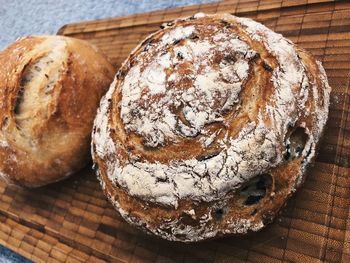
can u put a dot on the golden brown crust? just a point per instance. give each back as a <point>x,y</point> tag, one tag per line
<point>209,127</point>
<point>50,90</point>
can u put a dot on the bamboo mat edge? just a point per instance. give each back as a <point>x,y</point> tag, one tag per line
<point>240,8</point>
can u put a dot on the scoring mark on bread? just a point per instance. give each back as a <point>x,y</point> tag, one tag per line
<point>36,87</point>
<point>266,66</point>
<point>5,122</point>
<point>295,144</point>
<point>19,99</point>
<point>207,156</point>
<point>255,190</point>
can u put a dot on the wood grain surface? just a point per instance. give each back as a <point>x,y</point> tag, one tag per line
<point>71,221</point>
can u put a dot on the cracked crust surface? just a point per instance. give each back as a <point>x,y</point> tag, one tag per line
<point>208,127</point>
<point>50,90</point>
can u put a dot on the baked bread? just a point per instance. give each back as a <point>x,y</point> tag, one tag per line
<point>209,127</point>
<point>50,91</point>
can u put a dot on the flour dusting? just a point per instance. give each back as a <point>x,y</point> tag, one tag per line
<point>187,78</point>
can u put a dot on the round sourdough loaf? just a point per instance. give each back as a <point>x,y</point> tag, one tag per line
<point>209,127</point>
<point>50,90</point>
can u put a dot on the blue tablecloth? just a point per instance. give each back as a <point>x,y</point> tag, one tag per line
<point>19,18</point>
<point>7,256</point>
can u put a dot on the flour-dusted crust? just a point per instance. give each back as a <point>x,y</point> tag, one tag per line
<point>208,127</point>
<point>50,88</point>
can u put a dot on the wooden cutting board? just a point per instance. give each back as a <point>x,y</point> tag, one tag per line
<point>71,221</point>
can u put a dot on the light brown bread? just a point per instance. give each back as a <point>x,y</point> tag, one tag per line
<point>209,127</point>
<point>50,88</point>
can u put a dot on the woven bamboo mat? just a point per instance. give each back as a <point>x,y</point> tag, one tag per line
<point>71,221</point>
